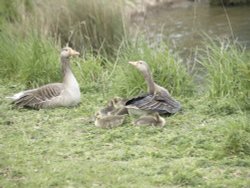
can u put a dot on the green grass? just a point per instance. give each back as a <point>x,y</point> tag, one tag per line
<point>205,145</point>
<point>32,60</point>
<point>61,148</point>
<point>96,26</point>
<point>238,140</point>
<point>165,66</point>
<point>227,70</point>
<point>93,74</point>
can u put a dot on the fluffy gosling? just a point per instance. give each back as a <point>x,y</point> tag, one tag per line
<point>110,121</point>
<point>150,120</point>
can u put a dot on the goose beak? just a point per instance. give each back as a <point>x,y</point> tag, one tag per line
<point>133,63</point>
<point>74,53</point>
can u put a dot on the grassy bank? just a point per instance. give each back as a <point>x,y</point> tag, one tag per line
<point>57,148</point>
<point>207,144</point>
<point>96,26</point>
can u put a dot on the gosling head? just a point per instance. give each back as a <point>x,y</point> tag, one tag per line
<point>160,120</point>
<point>117,99</point>
<point>140,65</point>
<point>118,102</point>
<point>68,52</point>
<point>98,115</point>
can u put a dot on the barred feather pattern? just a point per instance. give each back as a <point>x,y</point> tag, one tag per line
<point>56,94</point>
<point>40,97</point>
<point>158,98</point>
<point>155,103</point>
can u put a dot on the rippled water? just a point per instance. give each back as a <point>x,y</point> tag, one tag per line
<point>183,26</point>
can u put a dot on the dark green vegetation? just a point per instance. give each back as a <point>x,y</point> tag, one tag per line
<point>207,144</point>
<point>229,2</point>
<point>97,26</point>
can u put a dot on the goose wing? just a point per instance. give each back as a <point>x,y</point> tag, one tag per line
<point>167,102</point>
<point>39,97</point>
<point>155,103</point>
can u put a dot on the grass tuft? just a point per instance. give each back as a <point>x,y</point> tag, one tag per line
<point>238,138</point>
<point>95,26</point>
<point>92,72</point>
<point>227,72</point>
<point>185,176</point>
<point>31,60</point>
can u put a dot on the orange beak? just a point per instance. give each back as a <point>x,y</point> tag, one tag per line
<point>74,53</point>
<point>133,63</point>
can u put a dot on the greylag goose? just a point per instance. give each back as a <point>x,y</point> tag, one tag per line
<point>110,121</point>
<point>157,99</point>
<point>150,120</point>
<point>52,95</point>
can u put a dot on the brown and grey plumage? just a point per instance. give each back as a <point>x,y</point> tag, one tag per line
<point>157,99</point>
<point>119,106</point>
<point>65,94</point>
<point>150,120</point>
<point>119,102</point>
<point>107,109</point>
<point>110,121</point>
<point>114,107</point>
<point>119,111</point>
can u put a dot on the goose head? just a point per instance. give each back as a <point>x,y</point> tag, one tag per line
<point>143,67</point>
<point>68,52</point>
<point>140,65</point>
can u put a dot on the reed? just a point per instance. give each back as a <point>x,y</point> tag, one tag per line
<point>96,26</point>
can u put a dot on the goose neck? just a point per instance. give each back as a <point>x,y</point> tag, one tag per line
<point>66,69</point>
<point>150,82</point>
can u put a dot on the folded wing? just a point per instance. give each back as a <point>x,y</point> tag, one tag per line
<point>39,97</point>
<point>155,103</point>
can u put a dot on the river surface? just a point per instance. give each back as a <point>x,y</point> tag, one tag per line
<point>183,26</point>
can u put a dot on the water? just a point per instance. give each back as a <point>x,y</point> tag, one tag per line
<point>183,26</point>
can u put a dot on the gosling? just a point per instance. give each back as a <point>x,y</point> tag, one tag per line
<point>114,107</point>
<point>110,121</point>
<point>150,120</point>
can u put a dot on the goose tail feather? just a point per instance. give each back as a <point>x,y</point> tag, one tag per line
<point>16,96</point>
